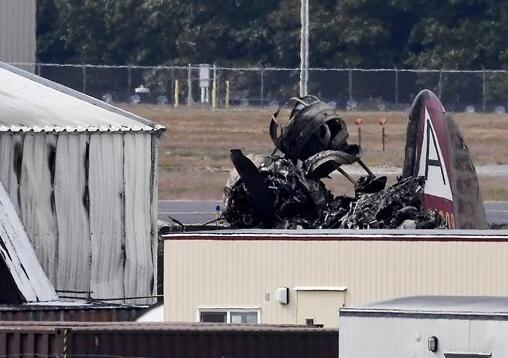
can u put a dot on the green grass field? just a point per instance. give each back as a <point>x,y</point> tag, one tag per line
<point>194,152</point>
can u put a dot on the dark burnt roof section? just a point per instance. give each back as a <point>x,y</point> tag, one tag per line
<point>71,311</point>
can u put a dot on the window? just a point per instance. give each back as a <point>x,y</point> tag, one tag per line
<point>229,315</point>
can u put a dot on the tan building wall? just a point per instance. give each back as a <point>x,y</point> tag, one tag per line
<point>17,31</point>
<point>238,270</point>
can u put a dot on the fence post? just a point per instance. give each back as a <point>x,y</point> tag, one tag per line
<point>396,86</point>
<point>214,87</point>
<point>350,81</point>
<point>484,90</point>
<point>440,84</point>
<point>189,85</point>
<point>177,99</point>
<point>262,89</point>
<point>226,101</point>
<point>83,70</point>
<point>129,79</point>
<point>172,83</point>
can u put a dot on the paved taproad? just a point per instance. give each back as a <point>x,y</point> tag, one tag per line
<point>202,211</point>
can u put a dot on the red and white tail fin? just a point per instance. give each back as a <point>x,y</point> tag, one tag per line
<point>435,149</point>
<point>428,154</point>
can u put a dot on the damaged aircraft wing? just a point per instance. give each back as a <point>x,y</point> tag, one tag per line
<point>22,277</point>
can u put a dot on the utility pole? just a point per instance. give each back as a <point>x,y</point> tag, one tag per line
<point>304,47</point>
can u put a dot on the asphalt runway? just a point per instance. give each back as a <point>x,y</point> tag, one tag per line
<point>202,211</point>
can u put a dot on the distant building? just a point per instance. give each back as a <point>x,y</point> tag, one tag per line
<point>306,276</point>
<point>82,177</point>
<point>428,326</point>
<point>17,31</point>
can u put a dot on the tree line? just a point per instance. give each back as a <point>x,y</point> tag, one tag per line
<point>436,34</point>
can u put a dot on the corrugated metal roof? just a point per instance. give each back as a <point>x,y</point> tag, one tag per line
<point>29,103</point>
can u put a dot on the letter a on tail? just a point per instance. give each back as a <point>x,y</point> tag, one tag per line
<point>435,150</point>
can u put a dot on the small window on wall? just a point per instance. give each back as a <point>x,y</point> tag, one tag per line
<point>217,317</point>
<point>226,315</point>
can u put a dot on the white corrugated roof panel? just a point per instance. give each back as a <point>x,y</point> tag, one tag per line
<point>29,103</point>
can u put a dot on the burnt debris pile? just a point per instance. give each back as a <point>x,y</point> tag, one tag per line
<point>285,189</point>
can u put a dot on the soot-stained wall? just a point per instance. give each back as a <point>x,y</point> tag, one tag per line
<point>88,202</point>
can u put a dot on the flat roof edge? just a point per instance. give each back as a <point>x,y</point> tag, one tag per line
<point>337,235</point>
<point>413,314</point>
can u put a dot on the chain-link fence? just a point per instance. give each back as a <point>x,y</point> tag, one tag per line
<point>221,87</point>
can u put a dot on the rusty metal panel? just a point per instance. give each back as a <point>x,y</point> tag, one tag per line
<point>165,340</point>
<point>70,314</point>
<point>29,341</point>
<point>195,341</point>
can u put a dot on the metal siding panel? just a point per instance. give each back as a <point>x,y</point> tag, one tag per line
<point>154,200</point>
<point>37,201</point>
<point>11,152</point>
<point>71,197</point>
<point>106,185</point>
<point>139,266</point>
<point>17,31</point>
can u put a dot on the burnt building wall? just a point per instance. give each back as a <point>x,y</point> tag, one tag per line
<point>88,203</point>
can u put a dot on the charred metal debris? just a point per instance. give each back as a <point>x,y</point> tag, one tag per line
<point>284,190</point>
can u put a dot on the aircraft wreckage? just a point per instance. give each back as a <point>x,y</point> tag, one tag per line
<point>438,187</point>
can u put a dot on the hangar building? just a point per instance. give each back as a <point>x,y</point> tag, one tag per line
<point>82,177</point>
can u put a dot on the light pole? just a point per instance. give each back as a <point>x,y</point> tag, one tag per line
<point>304,47</point>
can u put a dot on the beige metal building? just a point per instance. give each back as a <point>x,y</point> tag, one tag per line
<point>17,31</point>
<point>240,276</point>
